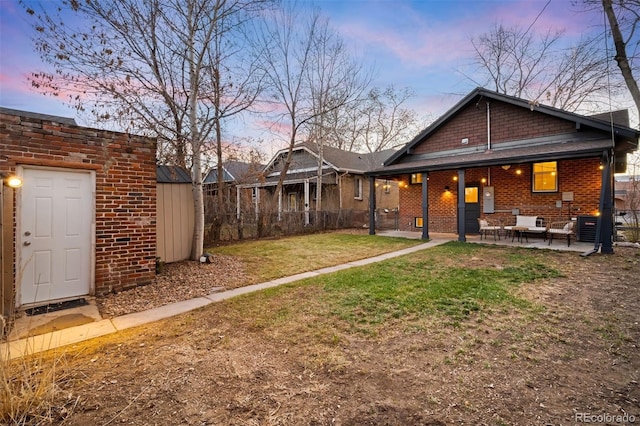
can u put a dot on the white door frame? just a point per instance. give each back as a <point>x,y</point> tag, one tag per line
<point>18,231</point>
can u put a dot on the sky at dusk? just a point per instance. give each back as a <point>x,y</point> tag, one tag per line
<point>424,45</point>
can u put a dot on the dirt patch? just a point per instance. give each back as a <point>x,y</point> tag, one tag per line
<point>576,354</point>
<point>177,282</point>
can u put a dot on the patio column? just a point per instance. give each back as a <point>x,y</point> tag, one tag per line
<point>372,205</point>
<point>461,207</point>
<point>604,229</point>
<point>425,206</point>
<point>306,201</point>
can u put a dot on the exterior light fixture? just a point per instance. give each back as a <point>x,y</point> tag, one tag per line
<point>446,188</point>
<point>483,180</point>
<point>601,166</point>
<point>518,172</point>
<point>506,167</point>
<point>11,181</point>
<point>455,178</point>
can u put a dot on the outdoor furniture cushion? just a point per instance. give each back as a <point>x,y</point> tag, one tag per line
<point>528,222</point>
<point>486,226</point>
<point>561,229</point>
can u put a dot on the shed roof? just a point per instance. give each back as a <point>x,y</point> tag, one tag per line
<point>172,174</point>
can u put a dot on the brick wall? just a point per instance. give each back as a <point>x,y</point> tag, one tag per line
<point>512,191</point>
<point>471,122</point>
<point>125,193</point>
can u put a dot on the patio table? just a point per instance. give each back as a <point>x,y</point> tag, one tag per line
<point>519,231</point>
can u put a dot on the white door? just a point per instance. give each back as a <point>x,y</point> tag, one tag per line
<point>55,235</point>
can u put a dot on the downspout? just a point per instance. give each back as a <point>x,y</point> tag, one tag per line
<point>488,127</point>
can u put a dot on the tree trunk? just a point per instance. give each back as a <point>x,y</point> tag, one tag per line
<point>621,54</point>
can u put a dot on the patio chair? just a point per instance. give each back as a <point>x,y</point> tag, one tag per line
<point>561,229</point>
<point>486,226</point>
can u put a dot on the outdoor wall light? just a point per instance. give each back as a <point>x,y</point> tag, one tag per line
<point>11,181</point>
<point>455,178</point>
<point>518,172</point>
<point>601,166</point>
<point>446,188</point>
<point>506,167</point>
<point>483,180</point>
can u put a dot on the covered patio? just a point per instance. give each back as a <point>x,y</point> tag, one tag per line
<point>533,243</point>
<point>498,158</point>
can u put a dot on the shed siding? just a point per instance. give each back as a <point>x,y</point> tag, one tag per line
<point>175,211</point>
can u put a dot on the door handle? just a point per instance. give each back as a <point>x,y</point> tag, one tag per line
<point>26,243</point>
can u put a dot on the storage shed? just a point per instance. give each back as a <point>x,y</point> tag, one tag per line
<point>175,212</point>
<point>84,220</point>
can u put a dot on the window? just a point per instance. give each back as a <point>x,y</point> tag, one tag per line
<point>357,190</point>
<point>387,187</point>
<point>545,176</point>
<point>417,222</point>
<point>471,194</point>
<point>416,178</point>
<point>293,202</point>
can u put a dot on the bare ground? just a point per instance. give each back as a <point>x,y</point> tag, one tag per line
<point>577,354</point>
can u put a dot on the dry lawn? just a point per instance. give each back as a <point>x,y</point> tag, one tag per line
<point>295,356</point>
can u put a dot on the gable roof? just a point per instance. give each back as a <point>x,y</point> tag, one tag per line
<point>212,176</point>
<point>339,159</point>
<point>591,140</point>
<point>172,174</point>
<point>235,171</point>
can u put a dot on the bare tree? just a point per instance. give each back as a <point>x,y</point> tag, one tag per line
<point>144,65</point>
<point>300,45</point>
<point>335,82</point>
<point>624,16</point>
<point>516,63</point>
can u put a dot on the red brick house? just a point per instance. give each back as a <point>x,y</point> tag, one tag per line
<point>495,156</point>
<point>84,220</point>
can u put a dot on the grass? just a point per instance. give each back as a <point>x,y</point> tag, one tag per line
<point>270,259</point>
<point>28,388</point>
<point>441,282</point>
<point>453,283</point>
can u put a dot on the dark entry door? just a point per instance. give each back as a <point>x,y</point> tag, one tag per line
<point>472,209</point>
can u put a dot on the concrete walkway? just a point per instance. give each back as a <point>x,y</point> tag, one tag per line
<point>69,336</point>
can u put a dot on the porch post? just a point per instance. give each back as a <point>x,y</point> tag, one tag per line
<point>606,207</point>
<point>461,207</point>
<point>425,207</point>
<point>237,202</point>
<point>306,201</point>
<point>372,205</point>
<point>257,203</point>
<point>280,205</point>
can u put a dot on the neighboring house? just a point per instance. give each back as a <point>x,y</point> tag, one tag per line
<point>235,173</point>
<point>496,156</point>
<point>175,213</point>
<point>344,186</point>
<point>84,220</point>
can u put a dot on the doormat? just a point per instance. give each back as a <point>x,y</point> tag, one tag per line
<point>56,307</point>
